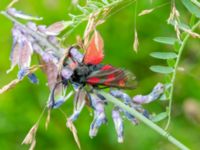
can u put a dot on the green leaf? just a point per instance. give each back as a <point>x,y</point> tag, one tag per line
<point>192,8</point>
<point>163,55</point>
<point>162,69</point>
<point>165,40</point>
<point>159,117</point>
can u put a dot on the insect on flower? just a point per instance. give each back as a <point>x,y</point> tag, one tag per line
<point>83,70</point>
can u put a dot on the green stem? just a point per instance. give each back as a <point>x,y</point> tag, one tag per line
<point>149,123</point>
<point>175,71</point>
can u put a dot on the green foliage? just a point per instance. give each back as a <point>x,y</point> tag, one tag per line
<point>191,7</point>
<point>165,40</point>
<point>162,69</point>
<point>163,55</point>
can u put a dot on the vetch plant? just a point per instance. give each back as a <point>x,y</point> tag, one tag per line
<point>80,68</point>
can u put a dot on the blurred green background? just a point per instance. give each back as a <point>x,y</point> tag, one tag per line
<point>21,106</point>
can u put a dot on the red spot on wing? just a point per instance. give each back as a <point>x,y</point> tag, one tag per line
<point>94,52</point>
<point>93,80</point>
<point>122,83</point>
<point>106,67</point>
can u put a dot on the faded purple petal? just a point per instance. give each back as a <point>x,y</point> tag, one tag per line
<point>79,103</point>
<point>57,28</point>
<point>26,51</point>
<point>140,99</point>
<point>66,73</point>
<point>14,56</point>
<point>76,55</point>
<point>42,28</point>
<point>32,26</point>
<point>155,94</point>
<point>53,40</point>
<point>121,95</point>
<point>118,124</point>
<point>99,115</point>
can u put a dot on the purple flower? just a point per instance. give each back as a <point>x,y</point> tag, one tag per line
<point>119,127</point>
<point>99,114</point>
<point>155,94</point>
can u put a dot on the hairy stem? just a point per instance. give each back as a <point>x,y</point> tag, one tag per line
<point>149,123</point>
<point>175,71</point>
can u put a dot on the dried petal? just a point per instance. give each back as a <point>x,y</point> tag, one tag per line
<point>26,51</point>
<point>51,70</point>
<point>58,27</point>
<point>14,56</point>
<point>146,11</point>
<point>30,137</point>
<point>79,103</point>
<point>72,128</point>
<point>136,42</point>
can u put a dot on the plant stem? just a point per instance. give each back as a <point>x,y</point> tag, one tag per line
<point>175,71</point>
<point>139,116</point>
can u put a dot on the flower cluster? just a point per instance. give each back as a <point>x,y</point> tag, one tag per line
<point>66,67</point>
